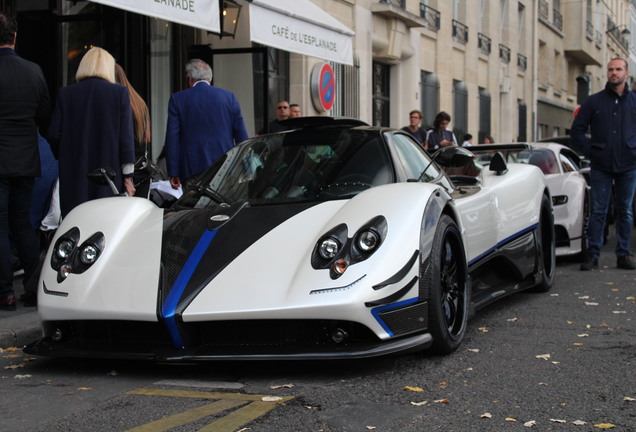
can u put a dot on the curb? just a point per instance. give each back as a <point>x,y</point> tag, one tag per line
<point>20,330</point>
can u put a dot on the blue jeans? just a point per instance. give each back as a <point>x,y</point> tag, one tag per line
<point>15,224</point>
<point>624,186</point>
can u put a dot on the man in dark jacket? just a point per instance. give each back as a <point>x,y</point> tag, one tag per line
<point>204,122</point>
<point>611,148</point>
<point>24,105</point>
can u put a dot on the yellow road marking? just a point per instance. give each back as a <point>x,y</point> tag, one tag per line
<point>189,416</point>
<point>228,423</point>
<point>239,417</point>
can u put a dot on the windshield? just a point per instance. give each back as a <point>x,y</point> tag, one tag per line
<point>298,166</point>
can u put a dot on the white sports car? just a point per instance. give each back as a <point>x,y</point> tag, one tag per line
<point>570,192</point>
<point>331,240</point>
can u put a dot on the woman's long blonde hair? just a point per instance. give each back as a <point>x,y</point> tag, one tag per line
<point>141,115</point>
<point>97,62</point>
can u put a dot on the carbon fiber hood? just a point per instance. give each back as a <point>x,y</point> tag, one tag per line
<point>198,244</point>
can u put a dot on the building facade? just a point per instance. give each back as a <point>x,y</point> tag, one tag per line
<point>512,69</point>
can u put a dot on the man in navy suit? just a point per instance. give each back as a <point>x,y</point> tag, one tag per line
<point>203,123</point>
<point>24,106</point>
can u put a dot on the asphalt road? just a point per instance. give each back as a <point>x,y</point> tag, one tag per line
<point>558,361</point>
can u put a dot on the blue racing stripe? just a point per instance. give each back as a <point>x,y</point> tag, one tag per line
<point>503,242</point>
<point>169,307</point>
<point>376,312</point>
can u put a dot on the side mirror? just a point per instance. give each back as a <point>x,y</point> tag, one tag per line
<point>453,157</point>
<point>101,175</point>
<point>104,176</point>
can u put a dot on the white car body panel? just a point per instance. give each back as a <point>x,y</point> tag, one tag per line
<point>122,284</point>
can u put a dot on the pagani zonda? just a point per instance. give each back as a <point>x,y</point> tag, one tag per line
<point>331,240</point>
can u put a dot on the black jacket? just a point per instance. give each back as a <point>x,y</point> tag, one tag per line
<point>611,146</point>
<point>24,106</point>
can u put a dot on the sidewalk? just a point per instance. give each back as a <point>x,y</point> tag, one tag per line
<point>19,327</point>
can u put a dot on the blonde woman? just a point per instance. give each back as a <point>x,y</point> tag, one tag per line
<point>141,131</point>
<point>92,127</point>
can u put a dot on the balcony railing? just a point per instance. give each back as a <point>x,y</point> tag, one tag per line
<point>522,62</point>
<point>504,53</point>
<point>398,3</point>
<point>431,16</point>
<point>484,43</point>
<point>544,9</point>
<point>557,19</point>
<point>460,32</point>
<point>589,30</point>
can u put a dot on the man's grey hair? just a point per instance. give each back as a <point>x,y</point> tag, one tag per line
<point>198,70</point>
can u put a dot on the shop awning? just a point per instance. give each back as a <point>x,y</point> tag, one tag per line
<point>203,14</point>
<point>301,27</point>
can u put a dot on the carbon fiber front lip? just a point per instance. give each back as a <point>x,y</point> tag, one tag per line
<point>45,347</point>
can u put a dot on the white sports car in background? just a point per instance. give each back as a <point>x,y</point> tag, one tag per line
<point>563,169</point>
<point>331,240</point>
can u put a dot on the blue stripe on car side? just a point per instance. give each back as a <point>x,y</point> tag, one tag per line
<point>170,305</point>
<point>376,312</point>
<point>504,241</point>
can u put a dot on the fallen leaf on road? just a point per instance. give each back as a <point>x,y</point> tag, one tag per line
<point>512,319</point>
<point>543,356</point>
<point>271,398</point>
<point>85,388</point>
<point>486,415</point>
<point>371,427</point>
<point>14,367</point>
<point>570,322</point>
<point>442,401</point>
<point>577,344</point>
<point>419,403</point>
<point>483,329</point>
<point>544,384</point>
<point>579,422</point>
<point>583,335</point>
<point>510,419</point>
<point>282,386</point>
<point>557,421</point>
<point>584,297</point>
<point>591,304</point>
<point>443,384</point>
<point>475,350</point>
<point>530,423</point>
<point>554,295</point>
<point>619,312</point>
<point>112,373</point>
<point>629,399</point>
<point>413,389</point>
<point>631,298</point>
<point>604,426</point>
<point>22,376</point>
<point>11,349</point>
<point>555,362</point>
<point>13,356</point>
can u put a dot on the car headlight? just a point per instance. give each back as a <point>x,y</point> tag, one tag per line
<point>64,249</point>
<point>69,258</point>
<point>88,254</point>
<point>367,240</point>
<point>559,200</point>
<point>328,248</point>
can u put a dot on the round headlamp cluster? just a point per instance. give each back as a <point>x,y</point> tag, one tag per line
<point>337,252</point>
<point>71,257</point>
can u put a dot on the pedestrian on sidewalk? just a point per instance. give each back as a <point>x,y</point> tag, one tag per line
<point>24,106</point>
<point>611,149</point>
<point>92,127</point>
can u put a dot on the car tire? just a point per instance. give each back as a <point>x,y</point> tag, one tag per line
<point>546,248</point>
<point>586,221</point>
<point>448,292</point>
